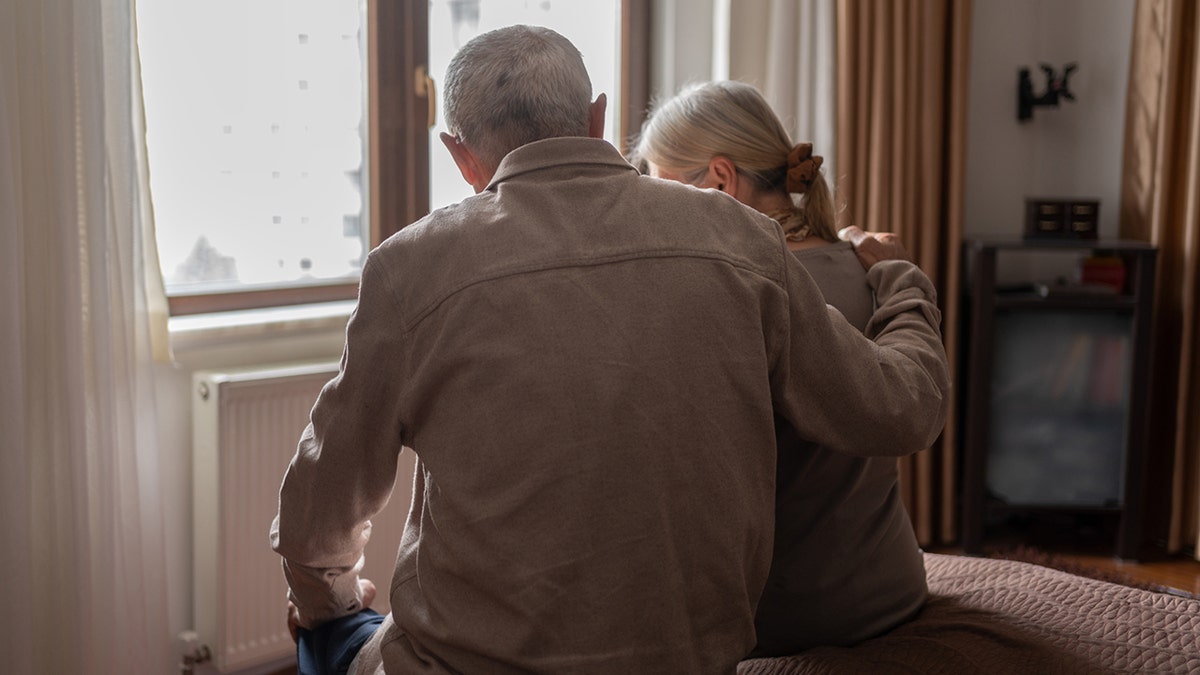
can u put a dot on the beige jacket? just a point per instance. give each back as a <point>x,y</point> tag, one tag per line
<point>587,363</point>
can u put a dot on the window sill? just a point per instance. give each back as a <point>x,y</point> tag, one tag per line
<point>257,336</point>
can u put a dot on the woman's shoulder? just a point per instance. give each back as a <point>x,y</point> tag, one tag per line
<point>834,257</point>
<point>818,248</point>
<point>841,278</point>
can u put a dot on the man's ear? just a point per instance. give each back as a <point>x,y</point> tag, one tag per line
<point>722,175</point>
<point>596,117</point>
<point>468,164</point>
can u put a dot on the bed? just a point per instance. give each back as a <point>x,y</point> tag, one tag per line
<point>1003,616</point>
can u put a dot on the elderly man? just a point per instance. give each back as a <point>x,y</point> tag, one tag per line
<point>588,363</point>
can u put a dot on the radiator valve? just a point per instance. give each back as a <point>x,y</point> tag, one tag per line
<point>193,652</point>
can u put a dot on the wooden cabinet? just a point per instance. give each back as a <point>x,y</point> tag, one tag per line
<point>1053,389</point>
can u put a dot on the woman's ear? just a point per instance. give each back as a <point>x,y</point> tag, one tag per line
<point>722,175</point>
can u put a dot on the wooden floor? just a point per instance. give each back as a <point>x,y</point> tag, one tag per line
<point>1180,572</point>
<point>1087,541</point>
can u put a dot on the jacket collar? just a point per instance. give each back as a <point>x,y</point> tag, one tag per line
<point>552,152</point>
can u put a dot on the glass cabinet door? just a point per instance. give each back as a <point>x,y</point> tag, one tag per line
<point>1059,407</point>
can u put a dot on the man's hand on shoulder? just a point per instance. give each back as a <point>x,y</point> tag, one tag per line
<point>873,247</point>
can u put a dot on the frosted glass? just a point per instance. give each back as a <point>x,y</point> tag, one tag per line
<point>256,136</point>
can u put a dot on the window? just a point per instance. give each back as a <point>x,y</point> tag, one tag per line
<point>286,138</point>
<point>256,121</point>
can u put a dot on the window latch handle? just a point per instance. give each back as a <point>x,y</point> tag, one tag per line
<point>424,87</point>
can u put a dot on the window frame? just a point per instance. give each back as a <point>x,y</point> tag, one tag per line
<point>399,110</point>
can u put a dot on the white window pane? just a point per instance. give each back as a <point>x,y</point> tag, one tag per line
<point>255,116</point>
<point>593,26</point>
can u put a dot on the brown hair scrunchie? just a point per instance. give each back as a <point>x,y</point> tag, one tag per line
<point>802,168</point>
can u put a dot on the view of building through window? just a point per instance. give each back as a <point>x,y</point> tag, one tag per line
<point>257,129</point>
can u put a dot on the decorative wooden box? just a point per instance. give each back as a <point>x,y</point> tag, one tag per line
<point>1061,218</point>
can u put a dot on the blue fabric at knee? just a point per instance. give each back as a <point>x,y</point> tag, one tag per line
<point>329,648</point>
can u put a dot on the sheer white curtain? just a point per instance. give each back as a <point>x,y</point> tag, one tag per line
<point>787,49</point>
<point>81,549</point>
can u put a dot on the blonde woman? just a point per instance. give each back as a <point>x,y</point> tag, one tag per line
<point>846,564</point>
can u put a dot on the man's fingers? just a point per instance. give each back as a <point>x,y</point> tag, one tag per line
<point>852,234</point>
<point>293,620</point>
<point>873,247</point>
<point>368,592</point>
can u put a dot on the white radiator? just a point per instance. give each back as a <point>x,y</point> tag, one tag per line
<point>245,428</point>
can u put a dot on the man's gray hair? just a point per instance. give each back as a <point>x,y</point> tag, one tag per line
<point>513,86</point>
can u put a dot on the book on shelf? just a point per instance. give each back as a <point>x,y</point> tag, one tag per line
<point>1070,378</point>
<point>1110,359</point>
<point>1092,372</point>
<point>1104,270</point>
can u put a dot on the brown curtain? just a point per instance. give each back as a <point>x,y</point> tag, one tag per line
<point>1159,204</point>
<point>901,137</point>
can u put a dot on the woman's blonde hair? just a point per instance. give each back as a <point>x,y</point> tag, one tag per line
<point>730,119</point>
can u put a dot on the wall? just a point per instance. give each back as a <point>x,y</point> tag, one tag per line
<point>1073,150</point>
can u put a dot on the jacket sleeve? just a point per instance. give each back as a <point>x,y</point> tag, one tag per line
<point>345,464</point>
<point>885,393</point>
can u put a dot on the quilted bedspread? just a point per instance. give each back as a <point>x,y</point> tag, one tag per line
<point>1002,616</point>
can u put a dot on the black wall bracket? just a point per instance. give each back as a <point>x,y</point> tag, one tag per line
<point>1056,88</point>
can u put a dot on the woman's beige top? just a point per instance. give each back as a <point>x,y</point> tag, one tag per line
<point>846,565</point>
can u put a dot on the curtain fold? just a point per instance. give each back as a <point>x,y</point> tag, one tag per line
<point>1160,204</point>
<point>900,148</point>
<point>16,560</point>
<point>83,557</point>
